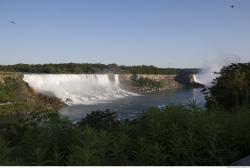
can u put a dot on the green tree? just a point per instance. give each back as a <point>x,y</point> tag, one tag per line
<point>5,153</point>
<point>85,152</point>
<point>231,87</point>
<point>39,157</point>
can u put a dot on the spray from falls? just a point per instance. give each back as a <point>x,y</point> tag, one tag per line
<point>207,73</point>
<point>78,88</point>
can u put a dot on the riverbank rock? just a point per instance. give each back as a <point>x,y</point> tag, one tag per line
<point>16,97</point>
<point>159,82</point>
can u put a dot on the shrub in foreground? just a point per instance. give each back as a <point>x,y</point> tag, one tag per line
<point>176,136</point>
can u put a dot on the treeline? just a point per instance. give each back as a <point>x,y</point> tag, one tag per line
<point>77,68</point>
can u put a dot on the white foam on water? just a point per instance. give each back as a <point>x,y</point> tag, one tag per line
<point>78,88</point>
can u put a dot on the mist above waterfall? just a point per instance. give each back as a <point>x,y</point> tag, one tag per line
<point>78,88</point>
<point>208,69</point>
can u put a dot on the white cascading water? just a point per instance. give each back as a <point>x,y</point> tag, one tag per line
<point>78,88</point>
<point>195,78</point>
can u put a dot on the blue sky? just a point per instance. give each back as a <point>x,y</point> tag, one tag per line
<point>165,33</point>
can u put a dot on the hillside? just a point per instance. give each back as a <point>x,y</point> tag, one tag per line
<point>16,97</point>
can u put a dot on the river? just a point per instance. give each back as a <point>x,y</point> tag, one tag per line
<point>131,107</point>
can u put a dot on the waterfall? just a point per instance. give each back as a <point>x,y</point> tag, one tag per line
<point>195,78</point>
<point>117,79</point>
<point>78,88</point>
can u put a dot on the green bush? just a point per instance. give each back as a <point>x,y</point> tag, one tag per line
<point>7,91</point>
<point>147,83</point>
<point>176,136</point>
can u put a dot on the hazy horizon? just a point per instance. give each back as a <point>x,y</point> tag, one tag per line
<point>173,33</point>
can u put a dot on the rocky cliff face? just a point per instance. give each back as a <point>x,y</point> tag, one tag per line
<point>158,82</point>
<point>148,76</point>
<point>187,80</point>
<point>16,97</point>
<point>11,75</point>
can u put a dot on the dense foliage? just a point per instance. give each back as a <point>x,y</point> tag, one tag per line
<point>148,83</point>
<point>231,88</point>
<point>91,68</point>
<point>145,83</point>
<point>175,136</point>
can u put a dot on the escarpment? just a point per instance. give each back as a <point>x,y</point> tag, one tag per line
<point>17,97</point>
<point>156,82</point>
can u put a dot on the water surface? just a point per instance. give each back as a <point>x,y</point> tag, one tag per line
<point>131,107</point>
